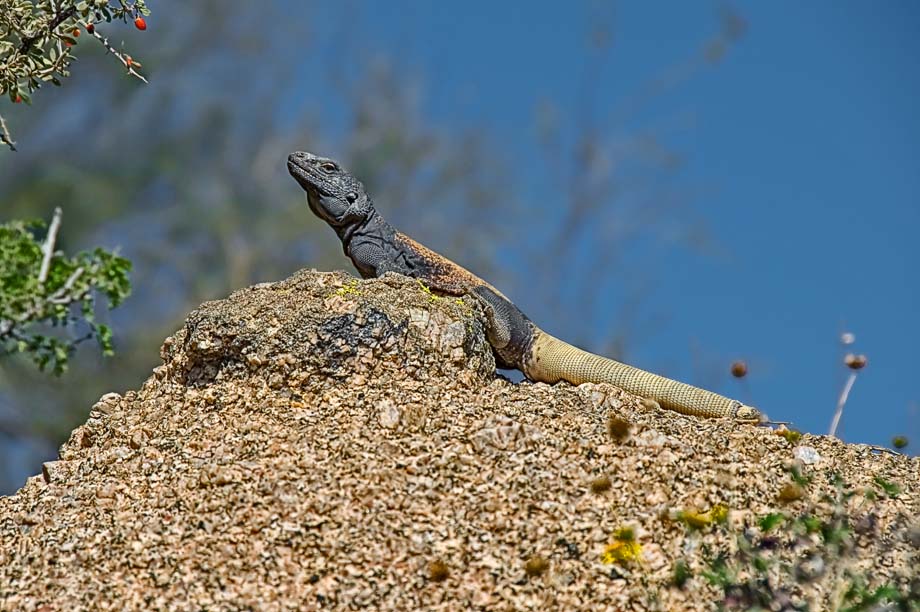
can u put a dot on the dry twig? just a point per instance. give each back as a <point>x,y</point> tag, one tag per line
<point>48,247</point>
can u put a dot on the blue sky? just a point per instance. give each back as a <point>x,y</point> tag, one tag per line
<point>803,142</point>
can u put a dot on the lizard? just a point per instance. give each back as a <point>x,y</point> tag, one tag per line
<point>375,247</point>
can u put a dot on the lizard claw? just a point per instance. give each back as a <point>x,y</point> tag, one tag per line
<point>749,413</point>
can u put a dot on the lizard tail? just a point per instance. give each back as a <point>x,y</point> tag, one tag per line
<point>552,360</point>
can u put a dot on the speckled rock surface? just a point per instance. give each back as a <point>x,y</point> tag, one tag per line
<point>327,443</point>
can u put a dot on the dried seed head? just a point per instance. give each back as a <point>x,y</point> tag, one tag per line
<point>599,485</point>
<point>649,403</point>
<point>855,362</point>
<point>618,428</point>
<point>438,571</point>
<point>536,565</point>
<point>790,493</point>
<point>739,369</point>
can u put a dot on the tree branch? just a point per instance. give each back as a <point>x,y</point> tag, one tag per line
<point>60,296</point>
<point>5,136</point>
<point>48,247</point>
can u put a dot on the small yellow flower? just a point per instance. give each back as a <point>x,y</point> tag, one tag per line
<point>719,513</point>
<point>624,548</point>
<point>621,552</point>
<point>699,520</point>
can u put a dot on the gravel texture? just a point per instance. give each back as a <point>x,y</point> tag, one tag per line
<point>328,443</point>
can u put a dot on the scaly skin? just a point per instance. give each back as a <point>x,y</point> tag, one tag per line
<point>376,248</point>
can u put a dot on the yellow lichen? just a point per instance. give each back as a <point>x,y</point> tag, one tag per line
<point>466,308</point>
<point>467,311</point>
<point>427,291</point>
<point>349,288</point>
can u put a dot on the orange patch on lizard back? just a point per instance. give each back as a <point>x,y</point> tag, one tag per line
<point>445,275</point>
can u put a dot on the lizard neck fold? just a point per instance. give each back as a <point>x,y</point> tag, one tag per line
<point>371,224</point>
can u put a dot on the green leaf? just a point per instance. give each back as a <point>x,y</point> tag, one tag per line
<point>682,574</point>
<point>770,521</point>
<point>891,489</point>
<point>104,335</point>
<point>811,524</point>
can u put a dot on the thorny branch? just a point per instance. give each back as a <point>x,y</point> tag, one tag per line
<point>5,136</point>
<point>125,59</point>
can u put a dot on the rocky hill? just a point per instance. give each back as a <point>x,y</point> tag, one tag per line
<point>328,443</point>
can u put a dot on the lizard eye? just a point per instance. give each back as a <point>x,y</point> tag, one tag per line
<point>329,167</point>
<point>352,197</point>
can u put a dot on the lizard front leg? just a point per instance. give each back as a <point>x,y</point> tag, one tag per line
<point>508,330</point>
<point>369,257</point>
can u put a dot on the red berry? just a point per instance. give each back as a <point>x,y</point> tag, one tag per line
<point>128,61</point>
<point>75,33</point>
<point>18,99</point>
<point>90,28</point>
<point>140,24</point>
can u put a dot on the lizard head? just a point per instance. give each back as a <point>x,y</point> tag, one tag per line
<point>334,194</point>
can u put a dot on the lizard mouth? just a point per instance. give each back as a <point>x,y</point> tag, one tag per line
<point>300,169</point>
<point>303,167</point>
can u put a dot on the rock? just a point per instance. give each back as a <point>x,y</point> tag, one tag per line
<point>320,442</point>
<point>807,455</point>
